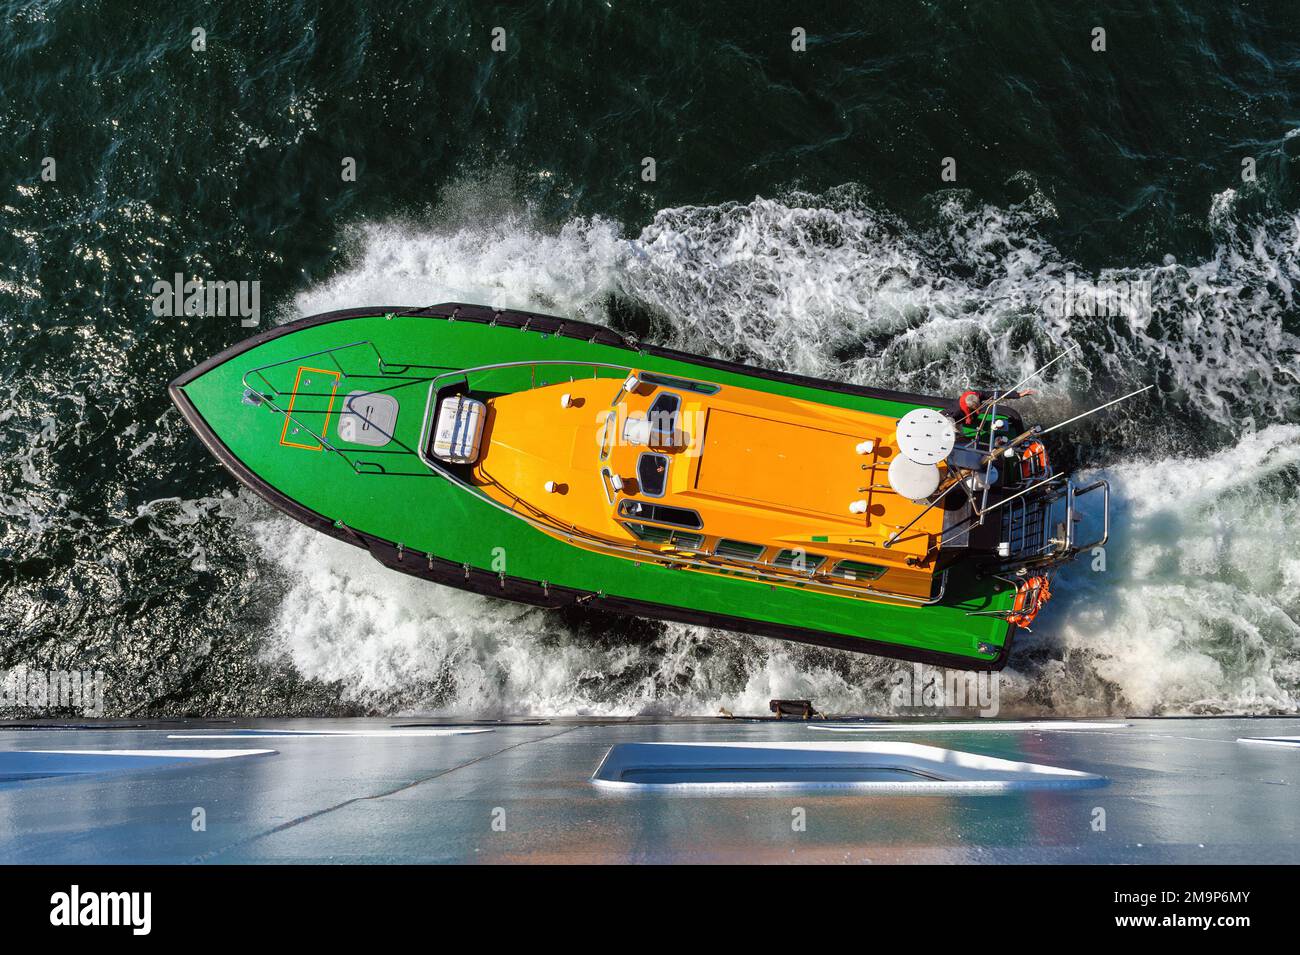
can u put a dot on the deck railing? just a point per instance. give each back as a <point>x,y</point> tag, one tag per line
<point>398,375</point>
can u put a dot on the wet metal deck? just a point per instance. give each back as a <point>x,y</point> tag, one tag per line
<point>1179,790</point>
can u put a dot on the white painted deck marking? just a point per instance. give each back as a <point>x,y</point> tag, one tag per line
<point>169,753</point>
<point>705,767</point>
<point>326,734</point>
<point>1292,741</point>
<point>989,726</point>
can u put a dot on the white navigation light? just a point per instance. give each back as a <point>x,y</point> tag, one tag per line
<point>926,436</point>
<point>916,482</point>
<point>866,447</point>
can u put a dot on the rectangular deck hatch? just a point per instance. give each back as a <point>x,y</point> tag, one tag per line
<point>870,766</point>
<point>368,418</point>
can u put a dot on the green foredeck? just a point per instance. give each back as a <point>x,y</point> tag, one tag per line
<point>427,514</point>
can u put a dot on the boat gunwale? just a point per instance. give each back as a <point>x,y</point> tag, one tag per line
<point>539,593</point>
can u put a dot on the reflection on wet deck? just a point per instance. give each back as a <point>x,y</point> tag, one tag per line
<point>1178,790</point>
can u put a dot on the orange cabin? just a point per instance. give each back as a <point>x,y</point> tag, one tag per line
<point>713,478</point>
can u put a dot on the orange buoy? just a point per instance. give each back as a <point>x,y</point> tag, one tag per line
<point>1031,594</point>
<point>1033,460</point>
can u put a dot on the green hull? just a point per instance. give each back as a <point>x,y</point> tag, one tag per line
<point>421,524</point>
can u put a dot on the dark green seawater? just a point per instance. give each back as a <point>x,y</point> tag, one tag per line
<point>797,219</point>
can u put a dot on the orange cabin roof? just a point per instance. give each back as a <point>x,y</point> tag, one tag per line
<point>756,467</point>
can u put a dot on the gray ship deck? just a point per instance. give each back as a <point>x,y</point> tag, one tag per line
<point>1174,790</point>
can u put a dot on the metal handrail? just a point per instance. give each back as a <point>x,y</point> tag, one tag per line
<point>1067,549</point>
<point>568,532</point>
<point>1072,496</point>
<point>571,533</point>
<point>359,466</point>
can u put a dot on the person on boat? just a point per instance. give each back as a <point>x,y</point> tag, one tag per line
<point>971,402</point>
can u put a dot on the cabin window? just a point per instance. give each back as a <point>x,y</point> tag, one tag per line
<point>607,435</point>
<point>661,535</point>
<point>798,560</point>
<point>681,384</point>
<point>739,550</point>
<point>651,535</point>
<point>652,474</point>
<point>663,418</point>
<point>659,513</point>
<point>607,485</point>
<point>857,570</point>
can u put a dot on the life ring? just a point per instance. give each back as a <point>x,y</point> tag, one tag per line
<point>1031,594</point>
<point>1033,460</point>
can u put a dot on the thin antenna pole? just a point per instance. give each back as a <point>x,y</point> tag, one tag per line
<point>994,452</point>
<point>1037,371</point>
<point>1037,431</point>
<point>889,542</point>
<point>1032,487</point>
<point>1096,409</point>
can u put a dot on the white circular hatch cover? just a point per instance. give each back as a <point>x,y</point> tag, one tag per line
<point>913,481</point>
<point>925,436</point>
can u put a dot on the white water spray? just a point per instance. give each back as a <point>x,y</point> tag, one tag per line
<point>1195,612</point>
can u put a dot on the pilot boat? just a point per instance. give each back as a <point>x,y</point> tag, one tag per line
<point>561,464</point>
